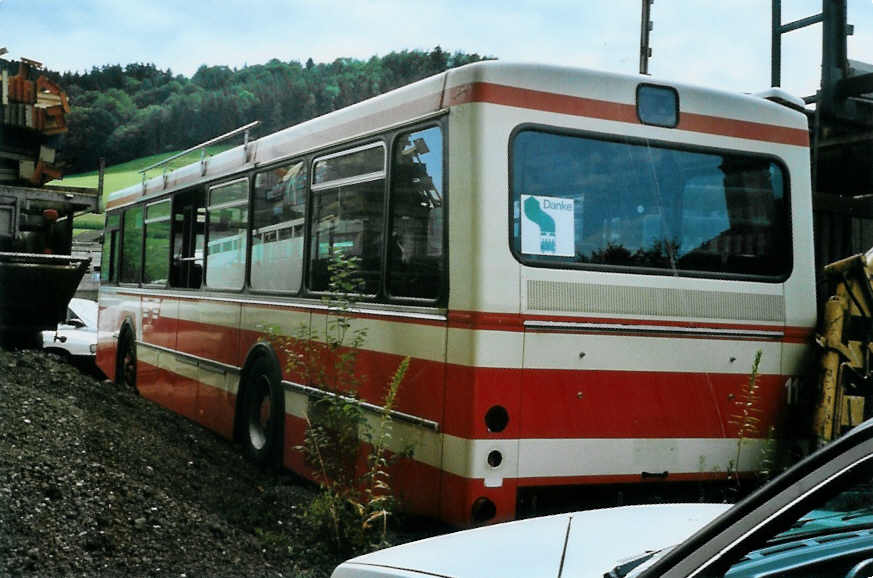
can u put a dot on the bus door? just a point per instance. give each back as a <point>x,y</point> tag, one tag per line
<point>186,272</point>
<point>218,316</point>
<point>159,312</point>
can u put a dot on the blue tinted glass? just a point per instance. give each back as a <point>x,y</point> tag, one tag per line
<point>657,105</point>
<point>579,200</point>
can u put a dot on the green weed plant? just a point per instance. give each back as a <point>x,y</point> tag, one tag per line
<point>356,503</point>
<point>748,421</point>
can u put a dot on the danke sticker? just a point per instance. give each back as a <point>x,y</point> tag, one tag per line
<point>547,226</point>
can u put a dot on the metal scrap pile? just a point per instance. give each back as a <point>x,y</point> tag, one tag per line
<point>32,121</point>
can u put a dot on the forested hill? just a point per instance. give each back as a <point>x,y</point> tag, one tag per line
<point>125,112</point>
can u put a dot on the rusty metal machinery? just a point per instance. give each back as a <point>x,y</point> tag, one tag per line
<point>33,112</point>
<point>841,134</point>
<point>37,273</point>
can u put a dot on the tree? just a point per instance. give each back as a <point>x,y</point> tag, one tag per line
<point>131,111</point>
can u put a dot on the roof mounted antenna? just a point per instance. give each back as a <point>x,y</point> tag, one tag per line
<point>645,32</point>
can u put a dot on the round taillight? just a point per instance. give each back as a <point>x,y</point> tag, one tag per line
<point>483,510</point>
<point>496,418</point>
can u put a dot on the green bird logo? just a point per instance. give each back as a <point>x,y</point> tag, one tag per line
<point>544,221</point>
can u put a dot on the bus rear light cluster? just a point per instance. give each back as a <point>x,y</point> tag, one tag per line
<point>496,418</point>
<point>483,510</point>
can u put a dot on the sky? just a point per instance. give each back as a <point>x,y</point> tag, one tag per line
<point>724,44</point>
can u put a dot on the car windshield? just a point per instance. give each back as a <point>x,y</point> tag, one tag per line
<point>827,539</point>
<point>851,508</point>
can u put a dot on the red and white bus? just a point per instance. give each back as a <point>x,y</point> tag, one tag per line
<point>581,266</point>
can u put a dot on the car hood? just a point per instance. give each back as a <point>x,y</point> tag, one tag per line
<point>86,310</point>
<point>589,543</point>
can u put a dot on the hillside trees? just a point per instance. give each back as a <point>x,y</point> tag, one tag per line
<point>122,113</point>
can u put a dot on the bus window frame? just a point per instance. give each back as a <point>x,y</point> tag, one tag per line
<point>209,207</point>
<point>307,164</point>
<point>678,146</point>
<point>373,141</point>
<point>145,224</point>
<point>125,211</point>
<point>442,295</point>
<point>385,139</point>
<point>114,263</point>
<point>377,142</point>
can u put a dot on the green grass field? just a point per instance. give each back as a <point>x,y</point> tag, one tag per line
<point>123,175</point>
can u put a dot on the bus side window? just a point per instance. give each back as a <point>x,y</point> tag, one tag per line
<point>109,259</point>
<point>157,240</point>
<point>131,246</point>
<point>279,207</point>
<point>348,192</point>
<point>415,253</point>
<point>227,233</point>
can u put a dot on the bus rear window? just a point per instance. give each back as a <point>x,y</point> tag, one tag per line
<point>628,205</point>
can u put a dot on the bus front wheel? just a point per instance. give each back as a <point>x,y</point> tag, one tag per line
<point>263,413</point>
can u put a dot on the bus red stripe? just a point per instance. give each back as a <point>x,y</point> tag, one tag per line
<point>624,404</point>
<point>547,403</point>
<point>743,129</point>
<point>476,320</point>
<point>614,111</point>
<point>542,403</point>
<point>492,321</point>
<point>541,100</point>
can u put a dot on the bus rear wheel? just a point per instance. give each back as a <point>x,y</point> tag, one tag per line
<point>125,371</point>
<point>263,414</point>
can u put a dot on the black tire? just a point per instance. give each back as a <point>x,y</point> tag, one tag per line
<point>262,414</point>
<point>125,368</point>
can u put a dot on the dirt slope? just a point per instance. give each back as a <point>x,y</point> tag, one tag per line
<point>95,480</point>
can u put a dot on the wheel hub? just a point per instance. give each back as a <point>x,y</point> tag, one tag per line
<point>259,413</point>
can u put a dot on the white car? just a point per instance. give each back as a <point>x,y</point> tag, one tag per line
<point>579,544</point>
<point>816,519</point>
<point>76,338</point>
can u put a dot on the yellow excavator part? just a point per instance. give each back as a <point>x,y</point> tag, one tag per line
<point>846,339</point>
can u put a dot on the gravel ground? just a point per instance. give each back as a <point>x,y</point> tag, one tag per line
<point>95,480</point>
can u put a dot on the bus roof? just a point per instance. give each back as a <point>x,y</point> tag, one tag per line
<point>562,90</point>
